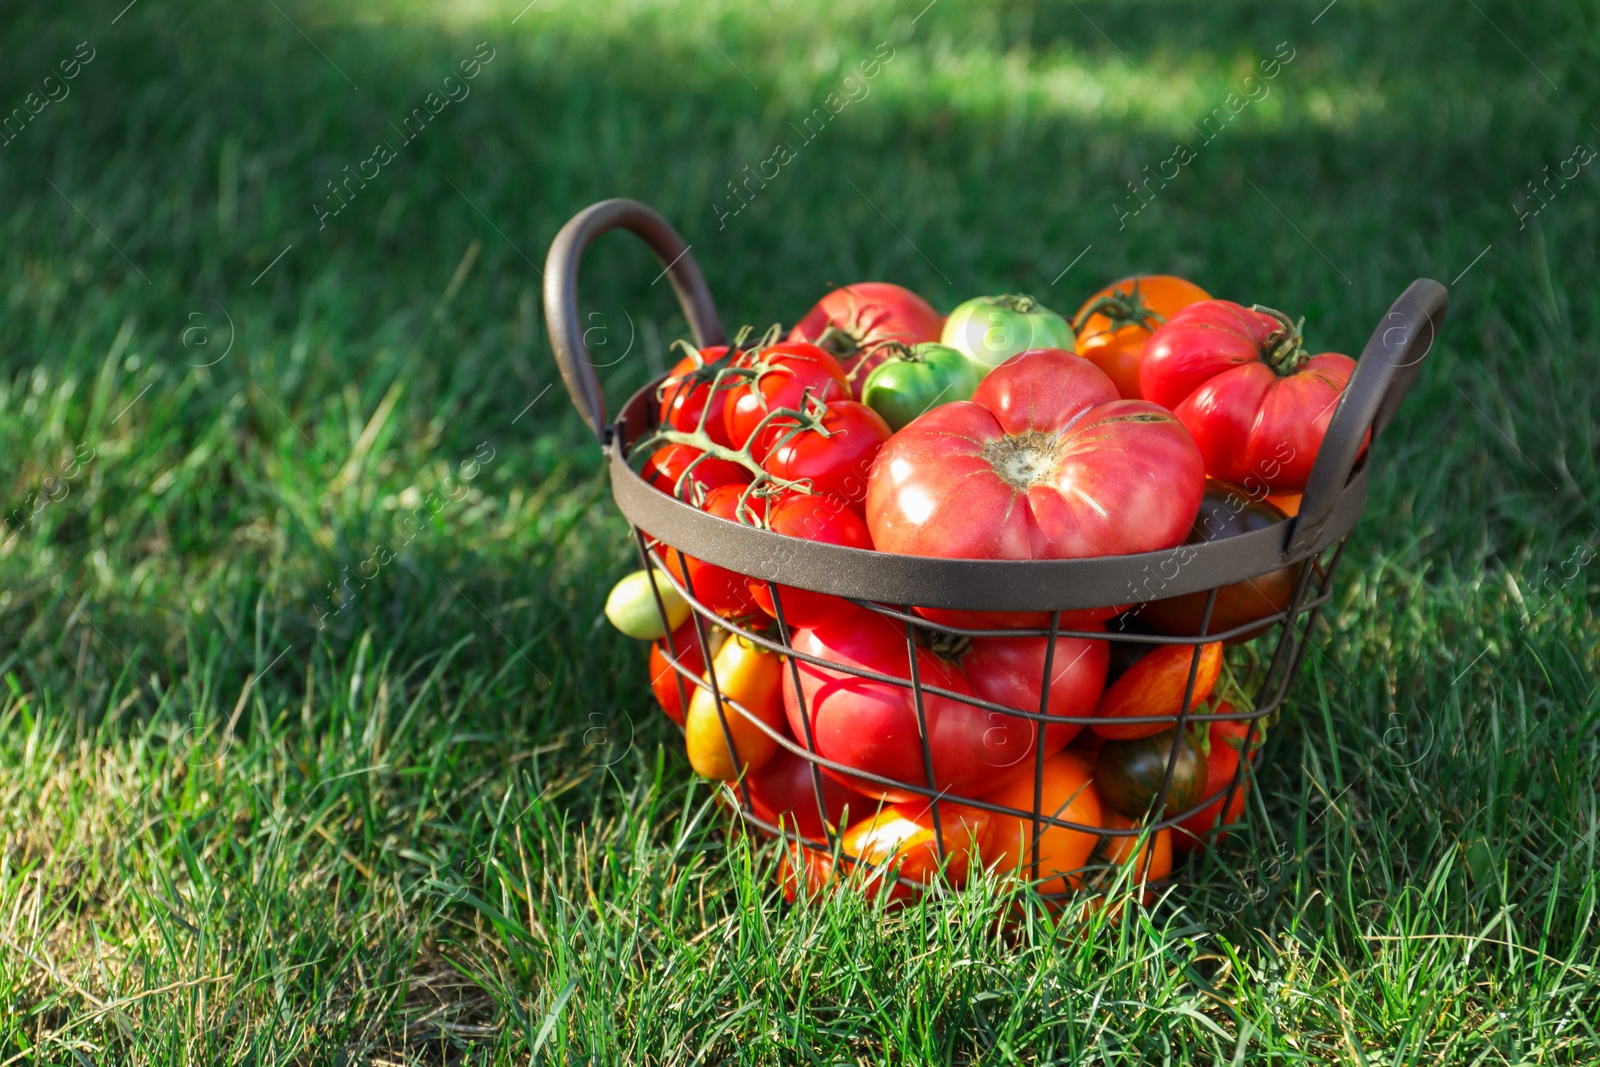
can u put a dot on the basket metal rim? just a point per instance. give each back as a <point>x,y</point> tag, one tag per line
<point>955,584</point>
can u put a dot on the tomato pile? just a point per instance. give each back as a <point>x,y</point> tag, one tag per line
<point>1156,417</point>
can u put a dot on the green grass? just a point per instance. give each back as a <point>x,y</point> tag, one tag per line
<point>447,823</point>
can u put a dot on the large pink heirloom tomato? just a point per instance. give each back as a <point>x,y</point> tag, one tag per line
<point>1044,462</point>
<point>871,726</point>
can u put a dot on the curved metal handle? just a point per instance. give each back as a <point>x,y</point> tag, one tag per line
<point>1387,367</point>
<point>561,294</point>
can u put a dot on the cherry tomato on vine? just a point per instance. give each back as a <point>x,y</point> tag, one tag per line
<point>691,385</point>
<point>812,518</point>
<point>838,457</point>
<point>667,465</point>
<point>783,377</point>
<point>1114,324</point>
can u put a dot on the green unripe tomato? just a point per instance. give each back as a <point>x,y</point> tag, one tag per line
<point>631,607</point>
<point>991,329</point>
<point>918,378</point>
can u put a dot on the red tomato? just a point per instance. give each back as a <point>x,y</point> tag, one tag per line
<point>723,591</point>
<point>667,465</point>
<point>685,391</point>
<point>1045,462</point>
<point>1257,404</point>
<point>1008,670</point>
<point>1154,685</point>
<point>664,679</point>
<point>839,463</point>
<point>871,726</point>
<point>1227,745</point>
<point>855,322</point>
<point>811,518</point>
<point>783,791</point>
<point>786,374</point>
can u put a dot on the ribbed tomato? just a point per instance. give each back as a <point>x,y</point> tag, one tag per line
<point>1242,383</point>
<point>1045,462</point>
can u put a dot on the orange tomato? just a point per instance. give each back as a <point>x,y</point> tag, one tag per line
<point>1155,858</point>
<point>899,839</point>
<point>1114,324</point>
<point>1154,685</point>
<point>1068,794</point>
<point>1288,503</point>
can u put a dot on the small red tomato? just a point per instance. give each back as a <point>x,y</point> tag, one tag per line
<point>836,459</point>
<point>785,376</point>
<point>691,385</point>
<point>784,792</point>
<point>810,518</point>
<point>666,467</point>
<point>723,591</point>
<point>664,679</point>
<point>1222,761</point>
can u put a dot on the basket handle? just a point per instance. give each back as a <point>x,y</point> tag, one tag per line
<point>1387,367</point>
<point>561,294</point>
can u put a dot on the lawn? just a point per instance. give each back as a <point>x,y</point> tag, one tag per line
<point>265,298</point>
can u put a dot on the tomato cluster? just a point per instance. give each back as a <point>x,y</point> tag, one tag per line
<point>1156,419</point>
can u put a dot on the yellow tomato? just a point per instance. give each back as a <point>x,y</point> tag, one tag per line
<point>752,678</point>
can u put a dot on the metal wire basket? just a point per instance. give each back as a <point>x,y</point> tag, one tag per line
<point>894,585</point>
